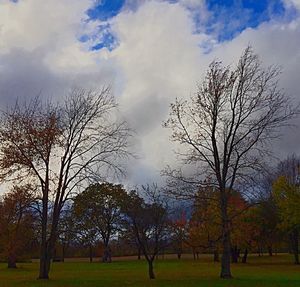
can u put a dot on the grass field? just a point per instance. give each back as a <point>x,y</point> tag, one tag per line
<point>260,271</point>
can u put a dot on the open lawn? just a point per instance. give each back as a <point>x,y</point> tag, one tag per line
<point>260,271</point>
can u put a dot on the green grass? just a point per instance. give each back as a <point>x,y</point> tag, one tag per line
<point>260,271</point>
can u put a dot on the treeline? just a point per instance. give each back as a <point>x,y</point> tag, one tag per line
<point>105,220</point>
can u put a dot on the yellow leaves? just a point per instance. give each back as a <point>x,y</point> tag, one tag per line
<point>287,197</point>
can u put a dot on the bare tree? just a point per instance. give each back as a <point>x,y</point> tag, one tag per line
<point>60,147</point>
<point>148,223</point>
<point>227,127</point>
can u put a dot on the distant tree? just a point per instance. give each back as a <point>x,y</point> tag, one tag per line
<point>287,195</point>
<point>16,223</point>
<point>267,218</point>
<point>226,127</point>
<point>179,232</point>
<point>66,230</point>
<point>204,225</point>
<point>86,231</point>
<point>100,206</point>
<point>148,223</point>
<point>59,147</point>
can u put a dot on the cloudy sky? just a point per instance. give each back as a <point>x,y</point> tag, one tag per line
<point>150,52</point>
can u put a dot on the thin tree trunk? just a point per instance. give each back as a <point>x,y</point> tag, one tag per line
<point>216,255</point>
<point>11,261</point>
<point>91,253</point>
<point>225,263</point>
<point>245,256</point>
<point>106,258</point>
<point>139,253</point>
<point>234,254</point>
<point>63,252</point>
<point>270,251</point>
<point>43,272</point>
<point>194,253</point>
<point>295,245</point>
<point>150,269</point>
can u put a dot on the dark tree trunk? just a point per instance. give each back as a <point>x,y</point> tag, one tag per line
<point>45,262</point>
<point>91,253</point>
<point>63,255</point>
<point>46,248</point>
<point>139,253</point>
<point>106,258</point>
<point>63,252</point>
<point>259,250</point>
<point>245,256</point>
<point>150,269</point>
<point>11,261</point>
<point>225,263</point>
<point>216,255</point>
<point>194,253</point>
<point>270,250</point>
<point>295,245</point>
<point>234,254</point>
<point>179,255</point>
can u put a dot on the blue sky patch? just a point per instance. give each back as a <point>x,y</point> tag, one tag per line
<point>231,17</point>
<point>105,9</point>
<point>227,18</point>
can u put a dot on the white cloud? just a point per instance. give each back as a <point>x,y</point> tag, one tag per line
<point>295,3</point>
<point>158,59</point>
<point>40,50</point>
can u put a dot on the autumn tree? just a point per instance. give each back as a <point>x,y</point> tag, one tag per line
<point>224,129</point>
<point>66,229</point>
<point>179,231</point>
<point>59,147</point>
<point>16,223</point>
<point>100,206</point>
<point>287,195</point>
<point>147,222</point>
<point>85,231</point>
<point>204,225</point>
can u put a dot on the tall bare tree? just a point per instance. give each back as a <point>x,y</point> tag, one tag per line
<point>226,127</point>
<point>60,146</point>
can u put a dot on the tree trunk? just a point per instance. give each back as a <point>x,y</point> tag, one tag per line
<point>244,259</point>
<point>270,250</point>
<point>151,272</point>
<point>91,253</point>
<point>106,258</point>
<point>295,245</point>
<point>44,256</point>
<point>216,255</point>
<point>11,261</point>
<point>179,255</point>
<point>139,253</point>
<point>44,263</point>
<point>225,264</point>
<point>234,254</point>
<point>63,252</point>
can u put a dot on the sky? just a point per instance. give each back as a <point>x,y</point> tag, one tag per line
<point>148,51</point>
